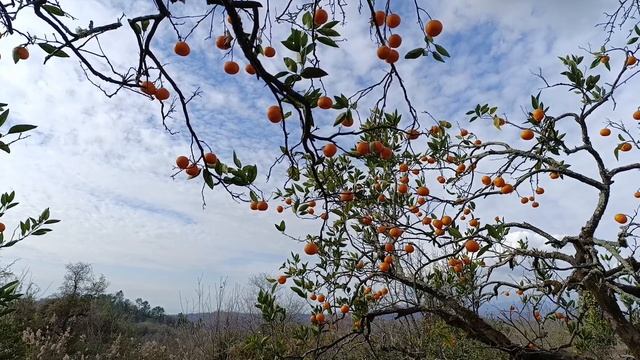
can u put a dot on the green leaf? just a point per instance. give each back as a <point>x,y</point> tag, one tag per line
<point>632,40</point>
<point>415,53</point>
<point>299,292</point>
<point>4,147</point>
<point>442,51</point>
<point>145,24</point>
<point>281,227</point>
<point>437,57</point>
<point>307,20</point>
<point>15,55</point>
<point>208,178</point>
<point>637,29</point>
<point>313,73</point>
<point>4,116</point>
<point>21,128</point>
<point>328,32</point>
<point>54,10</point>
<point>52,50</point>
<point>236,160</point>
<point>483,250</point>
<point>327,41</point>
<point>291,64</point>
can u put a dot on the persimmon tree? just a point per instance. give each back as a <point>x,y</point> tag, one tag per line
<point>31,226</point>
<point>397,192</point>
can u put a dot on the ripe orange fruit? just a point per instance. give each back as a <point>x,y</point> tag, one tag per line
<point>394,41</point>
<point>313,297</point>
<point>366,220</point>
<point>384,267</point>
<point>321,298</point>
<point>344,309</point>
<point>631,60</point>
<point>478,142</point>
<point>269,52</point>
<point>620,218</point>
<point>604,59</point>
<point>388,247</point>
<point>524,200</point>
<point>362,148</point>
<point>507,189</point>
<point>347,121</point>
<point>249,69</point>
<point>421,200</point>
<point>637,195</point>
<point>279,208</point>
<point>458,268</point>
<point>636,115</point>
<point>625,147</point>
<point>413,134</point>
<point>148,88</point>
<point>381,229</point>
<point>262,205</point>
<point>464,132</point>
<point>253,205</point>
<point>223,42</point>
<point>535,204</point>
<point>395,232</point>
<point>538,115</point>
<point>526,134</point>
<point>441,179</point>
<point>346,196</point>
<point>393,20</point>
<point>329,150</point>
<point>311,248</point>
<point>22,52</point>
<point>193,170</point>
<point>324,216</point>
<point>320,318</point>
<point>288,201</point>
<point>383,52</point>
<point>423,191</point>
<point>486,180</point>
<point>426,220</point>
<point>474,223</point>
<point>162,94</point>
<point>392,57</point>
<point>210,159</point>
<point>446,220</point>
<point>376,146</point>
<point>539,190</point>
<point>182,48</point>
<point>433,28</point>
<point>471,246</point>
<point>182,162</point>
<point>404,179</point>
<point>403,167</point>
<point>498,182</point>
<point>386,153</point>
<point>382,198</point>
<point>274,114</point>
<point>2,227</point>
<point>409,248</point>
<point>282,279</point>
<point>231,67</point>
<point>388,259</point>
<point>379,18</point>
<point>415,171</point>
<point>403,188</point>
<point>437,223</point>
<point>320,17</point>
<point>325,102</point>
<point>326,305</point>
<point>605,132</point>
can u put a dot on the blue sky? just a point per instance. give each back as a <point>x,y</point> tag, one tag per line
<point>103,165</point>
